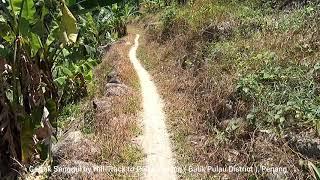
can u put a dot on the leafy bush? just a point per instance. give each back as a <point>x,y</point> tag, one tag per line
<point>168,16</point>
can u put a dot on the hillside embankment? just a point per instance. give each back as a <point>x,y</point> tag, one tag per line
<point>240,83</point>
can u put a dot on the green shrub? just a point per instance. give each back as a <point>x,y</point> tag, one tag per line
<point>282,96</point>
<point>153,6</point>
<point>168,17</point>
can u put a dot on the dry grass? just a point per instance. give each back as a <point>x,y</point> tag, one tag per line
<point>116,120</point>
<point>197,106</point>
<point>199,89</point>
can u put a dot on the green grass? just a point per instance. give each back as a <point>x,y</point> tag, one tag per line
<point>131,155</point>
<point>69,113</point>
<point>284,97</point>
<point>144,58</point>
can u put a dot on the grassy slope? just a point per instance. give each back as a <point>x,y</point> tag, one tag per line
<point>241,80</point>
<point>114,124</point>
<point>119,125</point>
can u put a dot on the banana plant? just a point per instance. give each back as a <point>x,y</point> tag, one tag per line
<point>46,57</point>
<point>28,102</point>
<point>84,6</point>
<point>118,18</point>
<point>72,78</point>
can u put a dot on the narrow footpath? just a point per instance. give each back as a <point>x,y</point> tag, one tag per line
<point>159,160</point>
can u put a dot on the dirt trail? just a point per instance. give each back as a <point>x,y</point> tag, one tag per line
<point>156,144</point>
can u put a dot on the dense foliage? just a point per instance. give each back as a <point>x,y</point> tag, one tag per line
<point>47,51</point>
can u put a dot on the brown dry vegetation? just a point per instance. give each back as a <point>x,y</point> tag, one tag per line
<point>199,53</point>
<point>116,120</point>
